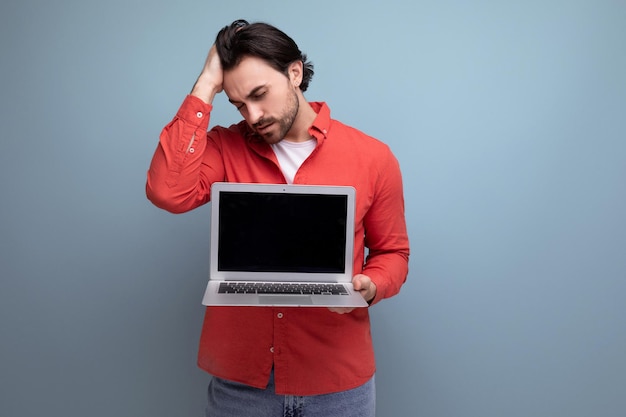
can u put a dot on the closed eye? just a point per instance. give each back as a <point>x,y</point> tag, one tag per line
<point>256,94</point>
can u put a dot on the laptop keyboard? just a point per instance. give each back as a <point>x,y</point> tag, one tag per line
<point>282,288</point>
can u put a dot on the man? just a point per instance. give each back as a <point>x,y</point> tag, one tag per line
<point>272,361</point>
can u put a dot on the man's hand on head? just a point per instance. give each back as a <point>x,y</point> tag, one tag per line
<point>211,79</point>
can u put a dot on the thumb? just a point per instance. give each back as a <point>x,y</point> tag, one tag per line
<point>358,281</point>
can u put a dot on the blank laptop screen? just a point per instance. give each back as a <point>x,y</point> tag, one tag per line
<point>282,232</point>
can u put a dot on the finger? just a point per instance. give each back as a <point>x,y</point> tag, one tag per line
<point>340,310</point>
<point>359,282</point>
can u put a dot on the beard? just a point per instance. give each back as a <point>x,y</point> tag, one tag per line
<point>283,123</point>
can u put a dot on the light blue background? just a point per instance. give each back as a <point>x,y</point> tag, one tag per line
<point>509,121</point>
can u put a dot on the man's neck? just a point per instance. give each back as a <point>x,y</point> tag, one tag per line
<point>299,131</point>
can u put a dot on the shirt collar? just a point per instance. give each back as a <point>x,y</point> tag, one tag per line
<point>321,125</point>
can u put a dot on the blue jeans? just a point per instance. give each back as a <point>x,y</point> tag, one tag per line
<point>231,399</point>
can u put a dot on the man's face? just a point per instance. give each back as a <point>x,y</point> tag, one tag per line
<point>265,97</point>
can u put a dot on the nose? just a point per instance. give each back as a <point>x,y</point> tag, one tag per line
<point>255,114</point>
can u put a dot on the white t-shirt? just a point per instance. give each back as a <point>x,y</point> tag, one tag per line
<point>291,155</point>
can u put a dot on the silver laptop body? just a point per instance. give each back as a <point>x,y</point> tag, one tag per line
<point>269,240</point>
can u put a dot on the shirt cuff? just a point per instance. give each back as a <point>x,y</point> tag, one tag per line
<point>195,111</point>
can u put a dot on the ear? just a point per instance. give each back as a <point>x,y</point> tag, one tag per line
<point>295,71</point>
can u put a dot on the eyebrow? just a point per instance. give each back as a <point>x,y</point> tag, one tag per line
<point>250,94</point>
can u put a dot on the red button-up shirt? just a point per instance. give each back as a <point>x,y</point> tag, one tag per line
<point>312,350</point>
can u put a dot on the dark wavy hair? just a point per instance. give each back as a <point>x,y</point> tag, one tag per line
<point>261,40</point>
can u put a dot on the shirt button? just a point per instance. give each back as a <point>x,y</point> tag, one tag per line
<point>272,349</point>
<point>191,150</point>
<point>279,315</point>
<point>199,115</point>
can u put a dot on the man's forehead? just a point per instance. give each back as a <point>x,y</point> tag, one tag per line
<point>247,76</point>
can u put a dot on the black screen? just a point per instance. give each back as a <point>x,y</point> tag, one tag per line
<point>279,232</point>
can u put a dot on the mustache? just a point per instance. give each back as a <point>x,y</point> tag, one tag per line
<point>263,122</point>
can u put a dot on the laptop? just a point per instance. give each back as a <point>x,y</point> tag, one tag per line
<point>281,245</point>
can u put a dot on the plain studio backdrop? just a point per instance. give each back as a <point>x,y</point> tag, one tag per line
<point>509,122</point>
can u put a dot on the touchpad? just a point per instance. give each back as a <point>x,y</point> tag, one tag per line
<point>298,300</point>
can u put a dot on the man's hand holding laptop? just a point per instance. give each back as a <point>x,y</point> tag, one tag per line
<point>364,285</point>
